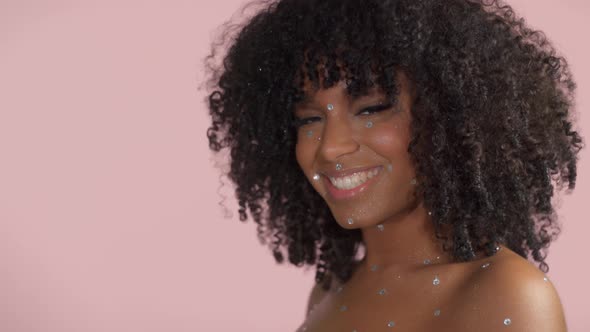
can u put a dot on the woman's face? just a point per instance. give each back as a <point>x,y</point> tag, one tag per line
<point>362,145</point>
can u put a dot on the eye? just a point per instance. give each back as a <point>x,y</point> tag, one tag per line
<point>301,122</point>
<point>375,109</point>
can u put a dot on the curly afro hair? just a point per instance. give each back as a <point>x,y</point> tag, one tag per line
<point>491,124</point>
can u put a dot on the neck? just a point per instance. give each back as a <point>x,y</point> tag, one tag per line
<point>404,242</point>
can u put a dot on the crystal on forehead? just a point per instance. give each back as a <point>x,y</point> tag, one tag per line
<point>330,107</point>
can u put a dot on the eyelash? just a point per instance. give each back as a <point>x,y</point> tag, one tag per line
<point>373,109</point>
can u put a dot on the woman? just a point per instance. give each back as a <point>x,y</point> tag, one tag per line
<point>407,150</point>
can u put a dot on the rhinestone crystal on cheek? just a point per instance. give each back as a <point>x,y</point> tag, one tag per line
<point>437,312</point>
<point>338,166</point>
<point>436,281</point>
<point>316,177</point>
<point>382,291</point>
<point>309,133</point>
<point>330,107</point>
<point>343,308</point>
<point>374,267</point>
<point>485,265</point>
<point>507,321</point>
<point>426,261</point>
<point>390,167</point>
<point>380,227</point>
<point>350,221</point>
<point>369,124</point>
<point>391,324</point>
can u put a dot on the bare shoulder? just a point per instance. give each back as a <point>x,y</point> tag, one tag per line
<point>315,296</point>
<point>317,293</point>
<point>509,291</point>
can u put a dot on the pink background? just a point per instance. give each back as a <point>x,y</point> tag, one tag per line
<point>109,201</point>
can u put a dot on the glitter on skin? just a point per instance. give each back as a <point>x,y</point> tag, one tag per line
<point>391,324</point>
<point>380,227</point>
<point>507,321</point>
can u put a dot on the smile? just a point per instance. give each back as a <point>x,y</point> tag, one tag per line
<point>350,185</point>
<point>354,180</point>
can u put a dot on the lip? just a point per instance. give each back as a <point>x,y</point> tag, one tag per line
<point>348,193</point>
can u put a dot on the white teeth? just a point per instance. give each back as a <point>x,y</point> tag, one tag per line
<point>352,181</point>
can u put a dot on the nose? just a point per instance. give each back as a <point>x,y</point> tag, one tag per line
<point>337,139</point>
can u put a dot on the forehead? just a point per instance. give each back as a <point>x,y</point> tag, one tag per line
<point>310,95</point>
<point>311,98</point>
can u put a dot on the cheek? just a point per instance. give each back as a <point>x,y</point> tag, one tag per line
<point>386,140</point>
